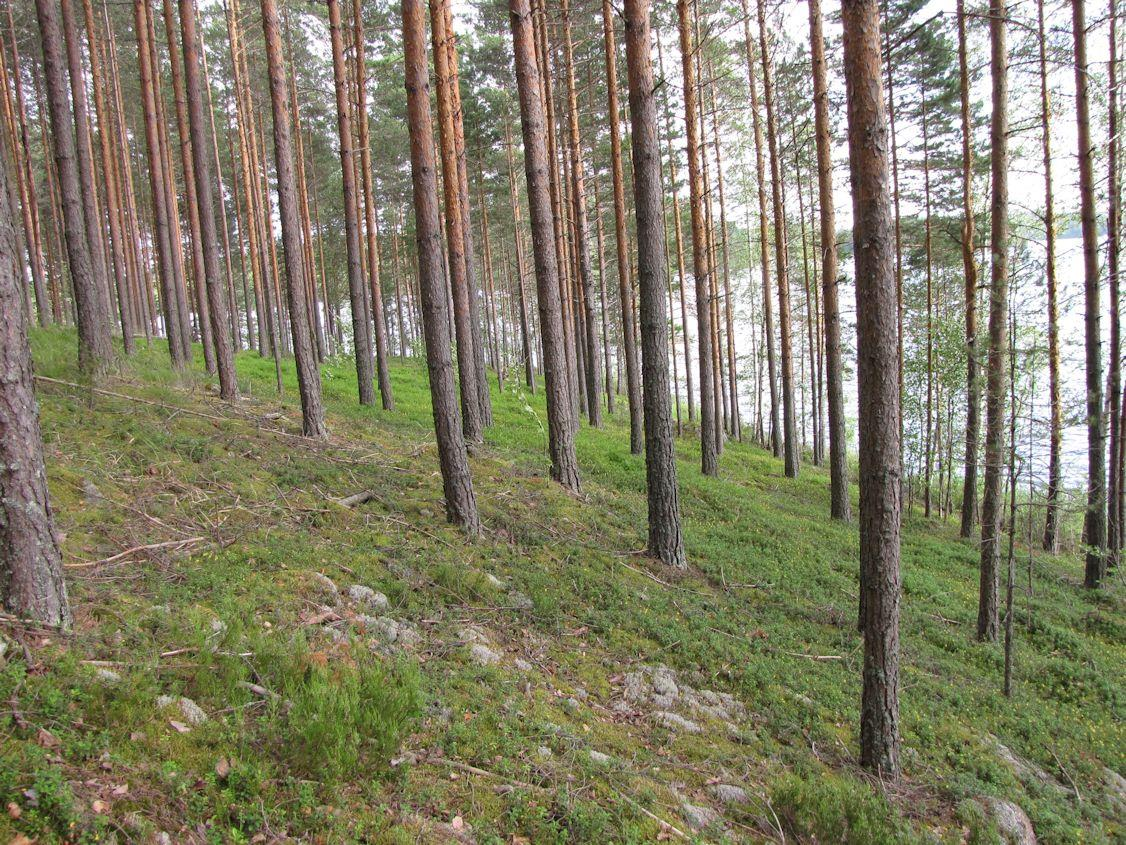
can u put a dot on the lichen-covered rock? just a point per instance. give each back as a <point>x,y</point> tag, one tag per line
<point>1012,822</point>
<point>676,722</point>
<point>326,586</point>
<point>698,817</point>
<point>192,712</point>
<point>482,655</point>
<point>728,793</point>
<point>598,757</point>
<point>367,597</point>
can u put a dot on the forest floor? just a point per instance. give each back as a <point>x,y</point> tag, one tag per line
<point>362,673</point>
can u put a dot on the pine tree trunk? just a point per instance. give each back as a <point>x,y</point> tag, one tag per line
<point>1113,224</point>
<point>969,271</point>
<point>308,377</point>
<point>708,446</point>
<point>371,226</point>
<point>992,505</point>
<point>361,321</point>
<point>789,420</point>
<point>877,358</point>
<point>1094,523</point>
<point>95,350</point>
<point>31,567</point>
<point>201,166</point>
<point>665,539</point>
<point>621,233</point>
<point>561,444</point>
<point>518,246</point>
<point>461,505</point>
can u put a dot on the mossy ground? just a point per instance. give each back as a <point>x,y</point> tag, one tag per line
<point>352,744</point>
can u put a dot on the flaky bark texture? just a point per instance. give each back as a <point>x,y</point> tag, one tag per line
<point>665,539</point>
<point>209,233</point>
<point>1095,519</point>
<point>560,424</point>
<point>709,442</point>
<point>308,377</point>
<point>361,322</point>
<point>31,567</point>
<point>461,504</point>
<point>95,350</point>
<point>877,376</point>
<point>621,236</point>
<point>838,446</point>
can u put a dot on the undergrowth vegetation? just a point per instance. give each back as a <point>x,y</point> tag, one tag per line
<point>326,720</point>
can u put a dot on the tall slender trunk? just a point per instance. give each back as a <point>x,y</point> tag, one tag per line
<point>95,350</point>
<point>308,377</point>
<point>560,426</point>
<point>929,448</point>
<point>621,233</point>
<point>992,505</point>
<point>969,271</point>
<point>1113,224</point>
<point>201,161</point>
<point>709,449</point>
<point>1095,519</point>
<point>518,246</point>
<point>665,539</point>
<point>876,332</point>
<point>361,320</point>
<point>838,447</point>
<point>371,224</point>
<point>461,504</point>
<point>789,419</point>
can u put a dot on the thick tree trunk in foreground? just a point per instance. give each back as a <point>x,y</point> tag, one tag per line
<point>665,539</point>
<point>560,424</point>
<point>31,566</point>
<point>877,375</point>
<point>1095,520</point>
<point>621,236</point>
<point>781,258</point>
<point>709,448</point>
<point>95,349</point>
<point>969,271</point>
<point>838,446</point>
<point>461,505</point>
<point>992,505</point>
<point>308,377</point>
<point>201,165</point>
<point>361,322</point>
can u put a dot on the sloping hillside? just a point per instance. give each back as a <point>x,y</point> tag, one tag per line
<point>256,661</point>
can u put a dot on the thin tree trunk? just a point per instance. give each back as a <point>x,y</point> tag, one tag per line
<point>461,504</point>
<point>201,161</point>
<point>877,357</point>
<point>969,271</point>
<point>709,449</point>
<point>621,234</point>
<point>361,321</point>
<point>1094,522</point>
<point>992,504</point>
<point>1113,223</point>
<point>789,420</point>
<point>95,350</point>
<point>560,425</point>
<point>308,377</point>
<point>518,246</point>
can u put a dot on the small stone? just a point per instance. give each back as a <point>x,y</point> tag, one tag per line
<point>727,793</point>
<point>676,722</point>
<point>193,713</point>
<point>218,627</point>
<point>471,635</point>
<point>368,597</point>
<point>599,758</point>
<point>581,693</point>
<point>91,492</point>
<point>1012,822</point>
<point>383,627</point>
<point>494,581</point>
<point>520,601</point>
<point>161,838</point>
<point>698,817</point>
<point>483,655</point>
<point>522,664</point>
<point>571,705</point>
<point>107,676</point>
<point>3,649</point>
<point>326,585</point>
<point>544,753</point>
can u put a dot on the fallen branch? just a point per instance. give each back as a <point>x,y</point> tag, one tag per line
<point>189,541</point>
<point>360,498</point>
